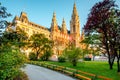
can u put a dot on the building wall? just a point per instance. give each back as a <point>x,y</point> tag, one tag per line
<point>60,36</point>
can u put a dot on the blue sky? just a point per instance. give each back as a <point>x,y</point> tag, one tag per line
<point>41,11</point>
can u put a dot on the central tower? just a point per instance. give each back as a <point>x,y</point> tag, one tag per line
<point>75,27</point>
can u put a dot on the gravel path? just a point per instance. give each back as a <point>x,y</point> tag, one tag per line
<point>39,73</point>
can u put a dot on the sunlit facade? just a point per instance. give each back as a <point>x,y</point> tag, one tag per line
<point>59,34</point>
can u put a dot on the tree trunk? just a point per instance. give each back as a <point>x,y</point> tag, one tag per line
<point>118,65</point>
<point>110,64</point>
<point>111,61</point>
<point>37,55</point>
<point>93,57</point>
<point>118,61</point>
<point>74,62</point>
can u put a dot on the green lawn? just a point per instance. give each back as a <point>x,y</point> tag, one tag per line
<point>98,68</point>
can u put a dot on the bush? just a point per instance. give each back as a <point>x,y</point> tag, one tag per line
<point>46,56</point>
<point>73,55</point>
<point>32,56</point>
<point>10,64</point>
<point>61,59</point>
<point>87,59</point>
<point>21,76</point>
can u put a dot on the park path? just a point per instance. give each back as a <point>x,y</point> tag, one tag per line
<point>39,73</point>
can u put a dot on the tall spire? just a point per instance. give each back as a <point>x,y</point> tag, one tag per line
<point>75,26</point>
<point>74,23</point>
<point>64,30</point>
<point>54,18</point>
<point>75,10</point>
<point>54,25</point>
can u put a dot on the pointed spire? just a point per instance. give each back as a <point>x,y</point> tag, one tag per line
<point>63,23</point>
<point>75,10</point>
<point>54,21</point>
<point>54,25</point>
<point>74,23</point>
<point>64,29</point>
<point>54,16</point>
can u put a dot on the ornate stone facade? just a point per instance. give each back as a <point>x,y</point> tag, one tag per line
<point>60,35</point>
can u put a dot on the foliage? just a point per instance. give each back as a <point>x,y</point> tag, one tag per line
<point>10,64</point>
<point>87,59</point>
<point>73,55</point>
<point>93,44</point>
<point>3,14</point>
<point>11,60</point>
<point>32,56</point>
<point>104,19</point>
<point>61,59</point>
<point>21,76</point>
<point>41,45</point>
<point>46,55</point>
<point>13,38</point>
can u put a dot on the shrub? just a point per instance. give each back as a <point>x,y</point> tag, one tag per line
<point>46,56</point>
<point>10,64</point>
<point>32,56</point>
<point>73,55</point>
<point>21,76</point>
<point>61,59</point>
<point>87,59</point>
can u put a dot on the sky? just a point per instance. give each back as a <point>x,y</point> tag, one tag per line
<point>41,11</point>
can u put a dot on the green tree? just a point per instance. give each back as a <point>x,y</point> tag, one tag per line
<point>32,56</point>
<point>36,43</point>
<point>3,14</point>
<point>11,59</point>
<point>41,45</point>
<point>92,44</point>
<point>10,64</point>
<point>73,55</point>
<point>47,49</point>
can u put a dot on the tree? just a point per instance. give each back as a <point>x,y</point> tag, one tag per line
<point>73,55</point>
<point>3,14</point>
<point>92,44</point>
<point>40,45</point>
<point>32,56</point>
<point>11,59</point>
<point>10,63</point>
<point>47,49</point>
<point>103,19</point>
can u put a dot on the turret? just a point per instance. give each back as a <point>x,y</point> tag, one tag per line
<point>64,29</point>
<point>54,25</point>
<point>23,17</point>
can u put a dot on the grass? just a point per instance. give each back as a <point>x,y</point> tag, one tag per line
<point>98,68</point>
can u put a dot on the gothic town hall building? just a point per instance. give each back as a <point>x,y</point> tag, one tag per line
<point>60,35</point>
